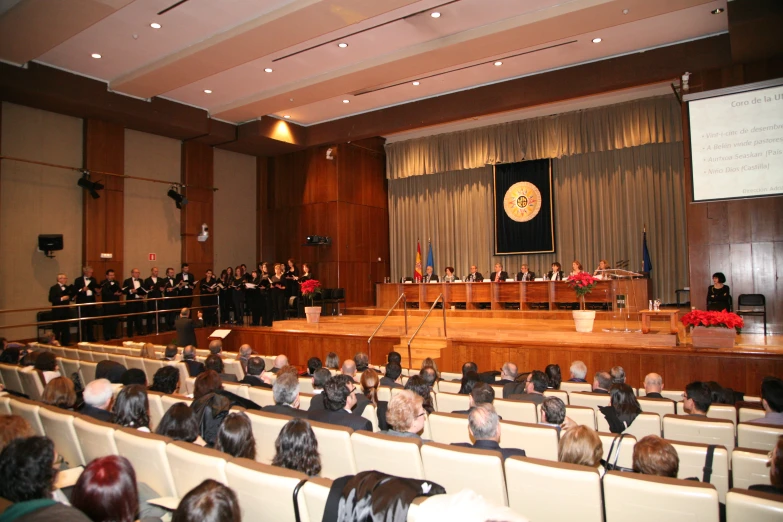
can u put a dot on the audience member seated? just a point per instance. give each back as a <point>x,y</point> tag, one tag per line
<point>405,416</point>
<point>112,371</point>
<point>148,351</point>
<point>469,380</point>
<point>235,436</point>
<point>320,379</point>
<point>653,455</point>
<point>254,375</point>
<point>339,400</point>
<point>653,386</point>
<point>719,394</point>
<point>216,347</point>
<point>349,369</point>
<point>134,376</point>
<point>578,371</point>
<point>775,472</point>
<point>429,362</point>
<point>553,376</point>
<point>623,408</point>
<point>618,375</point>
<point>46,363</point>
<point>393,377</point>
<point>245,352</point>
<point>370,384</point>
<point>180,423</point>
<point>296,448</point>
<point>280,362</point>
<point>484,425</point>
<point>361,361</point>
<point>313,364</point>
<point>210,501</point>
<point>697,399</point>
<point>581,445</point>
<point>11,355</point>
<point>772,401</point>
<point>418,386</point>
<point>535,386</point>
<point>508,373</point>
<point>286,395</point>
<point>332,361</point>
<point>209,382</point>
<point>602,381</point>
<point>429,376</point>
<point>98,396</point>
<point>553,413</point>
<point>482,393</point>
<point>13,427</point>
<point>215,363</point>
<point>132,408</point>
<point>27,476</point>
<point>60,392</point>
<point>166,380</point>
<point>195,368</point>
<point>469,366</point>
<point>106,490</point>
<point>393,356</point>
<point>171,353</point>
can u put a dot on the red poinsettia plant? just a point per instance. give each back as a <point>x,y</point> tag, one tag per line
<point>722,319</point>
<point>582,283</point>
<point>309,288</point>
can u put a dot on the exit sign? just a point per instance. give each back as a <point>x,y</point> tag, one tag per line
<point>153,257</point>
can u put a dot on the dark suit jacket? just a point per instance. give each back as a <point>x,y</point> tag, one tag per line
<point>653,396</point>
<point>526,277</point>
<point>95,413</point>
<point>56,293</point>
<point>186,331</point>
<point>477,277</point>
<point>535,398</point>
<point>361,402</point>
<point>492,445</point>
<point>503,275</point>
<point>228,377</point>
<point>560,275</point>
<point>154,289</point>
<point>252,380</point>
<point>341,418</point>
<point>82,297</point>
<point>601,391</point>
<point>512,388</point>
<point>285,410</point>
<point>386,381</point>
<point>433,277</point>
<point>194,368</point>
<point>188,288</point>
<point>317,402</point>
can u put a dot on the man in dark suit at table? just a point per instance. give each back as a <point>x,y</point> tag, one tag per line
<point>474,276</point>
<point>499,274</point>
<point>186,328</point>
<point>484,425</point>
<point>339,399</point>
<point>86,289</point>
<point>525,274</point>
<point>429,277</point>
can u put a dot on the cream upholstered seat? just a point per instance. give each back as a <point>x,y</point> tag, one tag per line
<point>371,414</point>
<point>304,401</point>
<point>722,411</point>
<point>426,433</point>
<point>96,438</point>
<point>758,436</point>
<point>590,400</point>
<point>449,387</point>
<point>5,405</point>
<point>183,375</point>
<point>234,367</point>
<point>28,410</point>
<point>384,393</point>
<point>749,467</point>
<point>450,376</point>
<point>167,401</point>
<point>449,402</point>
<point>32,382</point>
<point>151,366</point>
<point>190,385</point>
<point>261,396</point>
<point>87,371</point>
<point>265,493</point>
<point>84,355</point>
<point>660,406</point>
<point>191,465</point>
<point>644,424</point>
<point>745,506</point>
<point>312,498</point>
<point>516,411</point>
<point>58,351</point>
<point>498,390</point>
<point>582,415</point>
<point>689,428</point>
<point>11,379</point>
<point>644,498</point>
<point>58,426</point>
<point>71,353</point>
<point>449,427</point>
<point>156,408</point>
<point>456,468</point>
<point>537,440</point>
<point>675,395</point>
<point>118,358</point>
<point>305,385</point>
<point>266,427</point>
<point>692,461</point>
<point>147,453</point>
<point>98,356</point>
<point>203,352</point>
<point>625,457</point>
<point>749,414</point>
<point>243,390</point>
<point>334,445</point>
<point>560,394</point>
<point>571,387</point>
<point>530,480</point>
<point>70,367</point>
<point>135,362</point>
<point>388,454</point>
<point>124,350</point>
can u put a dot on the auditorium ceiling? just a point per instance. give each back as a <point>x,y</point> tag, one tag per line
<point>244,59</point>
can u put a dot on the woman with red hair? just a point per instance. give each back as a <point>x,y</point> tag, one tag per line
<point>107,491</point>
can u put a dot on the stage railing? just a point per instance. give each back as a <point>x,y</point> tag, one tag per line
<point>391,309</point>
<point>443,307</point>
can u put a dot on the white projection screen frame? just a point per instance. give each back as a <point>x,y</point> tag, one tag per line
<point>736,140</point>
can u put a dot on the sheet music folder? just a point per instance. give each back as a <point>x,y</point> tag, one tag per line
<point>220,334</point>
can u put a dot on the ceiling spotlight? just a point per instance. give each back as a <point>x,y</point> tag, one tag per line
<point>346,101</point>
<point>287,116</point>
<point>90,186</point>
<point>498,64</point>
<point>625,11</point>
<point>178,198</point>
<point>435,14</point>
<point>596,40</point>
<point>96,56</point>
<point>155,25</point>
<point>268,69</point>
<point>415,83</point>
<point>717,11</point>
<point>207,91</point>
<point>342,45</point>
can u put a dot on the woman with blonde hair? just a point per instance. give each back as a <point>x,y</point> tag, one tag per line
<point>148,351</point>
<point>60,392</point>
<point>581,445</point>
<point>406,415</point>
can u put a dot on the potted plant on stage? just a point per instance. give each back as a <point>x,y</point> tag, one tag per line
<point>309,289</point>
<point>713,329</point>
<point>583,283</point>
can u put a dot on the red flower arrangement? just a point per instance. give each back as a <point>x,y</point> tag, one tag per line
<point>582,283</point>
<point>722,319</point>
<point>309,288</point>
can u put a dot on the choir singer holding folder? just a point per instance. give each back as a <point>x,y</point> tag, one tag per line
<point>60,296</point>
<point>134,302</point>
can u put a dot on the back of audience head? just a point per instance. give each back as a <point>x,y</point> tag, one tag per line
<point>210,501</point>
<point>653,383</point>
<point>171,351</point>
<point>469,380</point>
<point>207,382</point>
<point>255,366</point>
<point>429,375</point>
<point>578,370</point>
<point>393,370</point>
<point>370,382</point>
<point>653,455</point>
<point>60,392</point>
<point>166,380</point>
<point>245,351</point>
<point>320,377</point>
<point>10,356</point>
<point>553,376</point>
<point>235,436</point>
<point>148,351</point>
<point>337,394</point>
<point>394,357</point>
<point>111,371</point>
<point>189,353</point>
<point>215,346</point>
<point>430,363</point>
<point>106,490</point>
<point>618,374</point>
<point>719,394</point>
<point>362,361</point>
<point>46,362</point>
<point>469,367</point>
<point>772,394</point>
<point>406,412</point>
<point>697,398</point>
<point>482,393</point>
<point>332,361</point>
<point>296,448</point>
<point>131,408</point>
<point>179,423</point>
<point>285,391</point>
<point>349,367</point>
<point>510,371</point>
<point>27,469</point>
<point>776,465</point>
<point>623,399</point>
<point>580,445</point>
<point>134,376</point>
<point>484,422</point>
<point>281,361</point>
<point>313,364</point>
<point>602,380</point>
<point>214,362</point>
<point>418,386</point>
<point>29,358</point>
<point>553,411</point>
<point>538,381</point>
<point>13,427</point>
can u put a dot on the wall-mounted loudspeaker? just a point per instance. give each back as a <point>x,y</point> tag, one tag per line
<point>48,243</point>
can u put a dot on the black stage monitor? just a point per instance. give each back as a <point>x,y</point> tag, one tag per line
<point>50,242</point>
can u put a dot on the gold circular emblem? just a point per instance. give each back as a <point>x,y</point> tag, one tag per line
<point>522,201</point>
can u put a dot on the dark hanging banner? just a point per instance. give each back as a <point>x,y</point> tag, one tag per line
<point>524,208</point>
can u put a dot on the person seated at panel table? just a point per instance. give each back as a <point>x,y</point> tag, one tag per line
<point>525,274</point>
<point>576,268</point>
<point>719,294</point>
<point>450,277</point>
<point>602,265</point>
<point>429,276</point>
<point>556,274</point>
<point>475,275</point>
<point>499,274</point>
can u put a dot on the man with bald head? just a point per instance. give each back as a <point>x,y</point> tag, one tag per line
<point>349,368</point>
<point>653,385</point>
<point>186,328</point>
<point>216,347</point>
<point>508,373</point>
<point>189,358</point>
<point>245,352</point>
<point>281,361</point>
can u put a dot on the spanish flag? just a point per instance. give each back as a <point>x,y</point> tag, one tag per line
<point>417,273</point>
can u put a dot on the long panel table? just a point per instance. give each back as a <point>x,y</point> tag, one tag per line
<point>529,294</point>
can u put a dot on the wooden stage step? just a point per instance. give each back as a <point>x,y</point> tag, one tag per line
<point>421,348</point>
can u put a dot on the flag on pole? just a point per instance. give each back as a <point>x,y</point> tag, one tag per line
<point>417,273</point>
<point>430,261</point>
<point>647,266</point>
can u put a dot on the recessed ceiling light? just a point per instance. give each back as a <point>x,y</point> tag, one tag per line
<point>96,56</point>
<point>287,116</point>
<point>207,91</point>
<point>415,83</point>
<point>268,69</point>
<point>596,40</point>
<point>435,14</point>
<point>625,11</point>
<point>717,11</point>
<point>346,101</point>
<point>498,63</point>
<point>342,45</point>
<point>155,25</point>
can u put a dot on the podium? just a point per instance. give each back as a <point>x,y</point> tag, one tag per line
<point>624,297</point>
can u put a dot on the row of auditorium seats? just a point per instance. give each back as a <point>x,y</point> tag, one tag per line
<point>266,492</point>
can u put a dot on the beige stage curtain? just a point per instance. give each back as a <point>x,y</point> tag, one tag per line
<point>602,202</point>
<point>629,124</point>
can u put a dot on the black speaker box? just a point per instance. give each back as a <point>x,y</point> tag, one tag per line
<point>50,242</point>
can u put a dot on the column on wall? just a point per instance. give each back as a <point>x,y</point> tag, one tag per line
<point>197,174</point>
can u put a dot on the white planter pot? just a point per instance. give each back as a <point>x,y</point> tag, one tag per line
<point>583,319</point>
<point>313,314</point>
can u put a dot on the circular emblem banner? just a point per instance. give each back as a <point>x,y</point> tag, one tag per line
<point>522,201</point>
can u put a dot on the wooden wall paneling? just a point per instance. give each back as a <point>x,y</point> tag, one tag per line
<point>739,227</point>
<point>765,275</point>
<point>197,174</point>
<point>262,203</point>
<point>741,265</point>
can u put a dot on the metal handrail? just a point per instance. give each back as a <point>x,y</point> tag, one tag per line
<point>405,313</point>
<point>439,298</point>
<point>100,303</point>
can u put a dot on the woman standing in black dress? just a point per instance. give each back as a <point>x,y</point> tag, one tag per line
<point>719,294</point>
